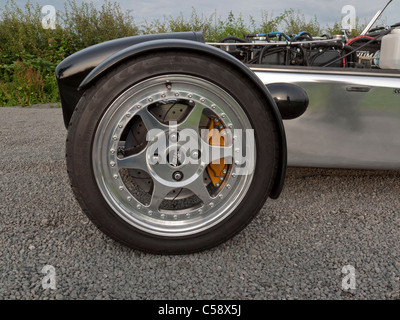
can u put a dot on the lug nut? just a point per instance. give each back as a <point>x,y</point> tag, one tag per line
<point>155,159</point>
<point>195,154</point>
<point>177,176</point>
<point>173,137</point>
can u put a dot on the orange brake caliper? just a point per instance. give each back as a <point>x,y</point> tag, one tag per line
<point>217,169</point>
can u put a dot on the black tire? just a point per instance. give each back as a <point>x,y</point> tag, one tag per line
<point>92,121</point>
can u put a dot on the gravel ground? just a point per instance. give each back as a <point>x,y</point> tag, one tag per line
<point>295,249</point>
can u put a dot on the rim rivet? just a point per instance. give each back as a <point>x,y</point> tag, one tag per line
<point>115,176</point>
<point>203,100</point>
<point>228,186</point>
<point>213,106</point>
<point>223,115</point>
<point>112,164</point>
<point>139,206</point>
<point>115,138</point>
<point>175,216</point>
<point>220,196</point>
<point>150,99</point>
<point>176,94</point>
<point>163,96</point>
<point>211,204</point>
<point>234,175</point>
<point>237,162</point>
<point>150,213</point>
<point>162,216</point>
<point>128,115</point>
<point>190,96</point>
<point>129,199</point>
<point>121,188</point>
<point>112,151</point>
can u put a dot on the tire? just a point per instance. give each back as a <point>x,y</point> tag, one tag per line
<point>144,195</point>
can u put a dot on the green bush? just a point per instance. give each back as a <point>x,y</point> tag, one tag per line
<point>29,53</point>
<point>213,28</point>
<point>29,50</point>
<point>25,88</point>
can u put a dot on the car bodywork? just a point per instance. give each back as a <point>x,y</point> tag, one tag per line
<point>353,120</point>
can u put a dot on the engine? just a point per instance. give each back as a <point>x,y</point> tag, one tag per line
<point>302,49</point>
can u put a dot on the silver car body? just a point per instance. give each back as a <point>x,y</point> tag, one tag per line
<point>353,119</point>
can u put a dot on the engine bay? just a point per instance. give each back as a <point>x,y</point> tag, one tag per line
<point>377,47</point>
<point>280,49</point>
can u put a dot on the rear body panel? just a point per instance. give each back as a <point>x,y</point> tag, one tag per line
<point>353,119</point>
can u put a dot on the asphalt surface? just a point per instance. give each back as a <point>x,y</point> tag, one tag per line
<point>295,249</point>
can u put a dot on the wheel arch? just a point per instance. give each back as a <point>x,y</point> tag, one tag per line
<point>154,46</point>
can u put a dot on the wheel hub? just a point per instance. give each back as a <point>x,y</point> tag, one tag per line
<point>172,163</point>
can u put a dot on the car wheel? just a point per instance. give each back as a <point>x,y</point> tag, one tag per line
<point>172,152</point>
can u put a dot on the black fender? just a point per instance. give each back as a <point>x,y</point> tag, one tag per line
<point>72,71</point>
<point>154,45</point>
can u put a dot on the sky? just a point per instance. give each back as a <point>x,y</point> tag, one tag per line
<point>327,12</point>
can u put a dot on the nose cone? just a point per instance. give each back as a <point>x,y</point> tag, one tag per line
<point>292,101</point>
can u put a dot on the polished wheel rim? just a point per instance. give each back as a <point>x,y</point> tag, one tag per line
<point>174,157</point>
